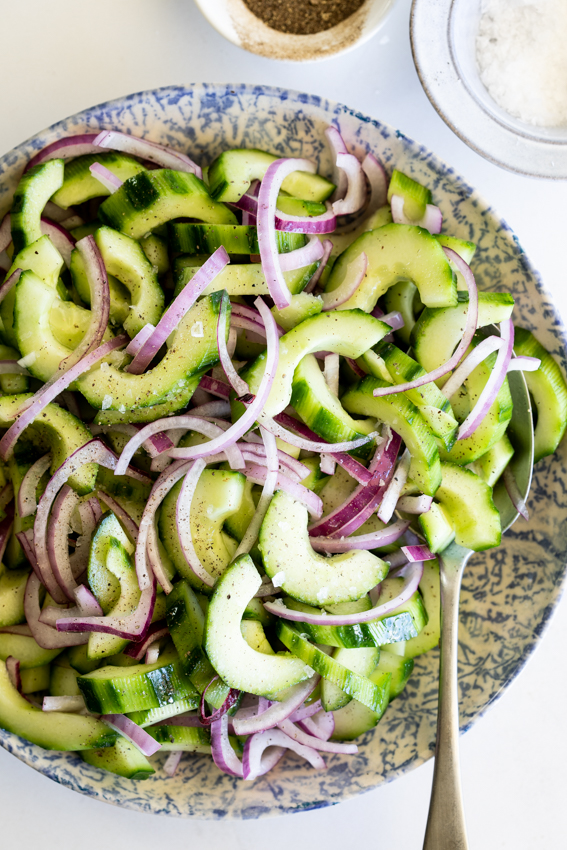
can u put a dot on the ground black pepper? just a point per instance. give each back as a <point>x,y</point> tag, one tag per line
<point>303,17</point>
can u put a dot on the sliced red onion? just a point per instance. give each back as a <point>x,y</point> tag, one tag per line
<point>354,468</point>
<point>60,237</point>
<point>131,627</point>
<point>418,553</point>
<point>331,375</point>
<point>524,363</point>
<point>306,711</point>
<point>373,540</point>
<point>431,220</point>
<point>245,317</point>
<point>172,762</point>
<point>154,558</point>
<point>364,500</point>
<point>13,670</point>
<point>288,464</point>
<point>413,574</point>
<point>338,146</point>
<point>275,175</point>
<point>297,734</point>
<point>177,310</point>
<point>378,182</point>
<point>152,655</point>
<point>249,724</point>
<point>493,384</point>
<point>223,755</point>
<point>67,704</point>
<point>259,474</point>
<point>213,410</point>
<point>30,410</point>
<point>105,177</point>
<point>394,319</point>
<point>156,632</point>
<point>253,410</point>
<point>236,382</point>
<point>327,251</point>
<point>394,489</point>
<point>230,701</point>
<point>183,521</point>
<point>21,629</point>
<point>514,492</point>
<point>470,327</point>
<point>46,636</point>
<point>57,539</point>
<point>414,504</point>
<point>269,485</point>
<point>310,253</point>
<point>211,385</point>
<point>132,732</point>
<point>25,539</point>
<point>27,501</point>
<point>469,364</point>
<point>12,367</point>
<point>9,283</point>
<point>256,762</point>
<point>311,446</point>
<point>144,149</point>
<point>318,224</point>
<point>320,725</point>
<point>355,197</point>
<point>140,339</point>
<point>66,148</point>
<point>87,602</point>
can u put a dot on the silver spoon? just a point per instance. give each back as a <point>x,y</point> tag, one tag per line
<point>446,828</point>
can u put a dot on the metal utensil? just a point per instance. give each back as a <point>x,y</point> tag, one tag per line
<point>446,821</point>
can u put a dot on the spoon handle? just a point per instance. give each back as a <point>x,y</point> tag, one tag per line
<point>446,820</point>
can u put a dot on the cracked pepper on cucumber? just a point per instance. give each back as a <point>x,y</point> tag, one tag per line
<point>243,409</point>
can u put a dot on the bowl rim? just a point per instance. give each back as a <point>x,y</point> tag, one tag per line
<point>452,99</point>
<point>58,129</point>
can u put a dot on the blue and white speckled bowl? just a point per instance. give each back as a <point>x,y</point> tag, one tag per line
<point>508,594</point>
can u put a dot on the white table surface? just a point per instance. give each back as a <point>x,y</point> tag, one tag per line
<point>60,56</point>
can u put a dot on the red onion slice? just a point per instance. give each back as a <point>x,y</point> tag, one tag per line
<point>236,382</point>
<point>156,632</point>
<point>245,724</point>
<point>177,310</point>
<point>275,175</point>
<point>144,149</point>
<point>183,522</point>
<point>214,410</point>
<point>105,177</point>
<point>290,464</point>
<point>394,319</point>
<point>60,237</point>
<point>66,148</point>
<point>514,492</point>
<point>493,384</point>
<point>378,182</point>
<point>9,283</point>
<point>338,146</point>
<point>172,762</point>
<point>140,339</point>
<point>297,734</point>
<point>305,256</point>
<point>256,761</point>
<point>46,636</point>
<point>317,224</point>
<point>469,364</point>
<point>414,504</point>
<point>320,725</point>
<point>431,220</point>
<point>418,553</point>
<point>327,251</point>
<point>270,483</point>
<point>67,704</point>
<point>355,197</point>
<point>223,755</point>
<point>373,540</point>
<point>524,363</point>
<point>413,574</point>
<point>57,539</point>
<point>154,558</point>
<point>27,500</point>
<point>355,276</point>
<point>13,670</point>
<point>132,732</point>
<point>218,388</point>
<point>395,487</point>
<point>312,446</point>
<point>306,711</point>
<point>13,367</point>
<point>258,475</point>
<point>470,328</point>
<point>131,627</point>
<point>87,602</point>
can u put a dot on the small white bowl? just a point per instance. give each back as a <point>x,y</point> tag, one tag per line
<point>234,20</point>
<point>443,40</point>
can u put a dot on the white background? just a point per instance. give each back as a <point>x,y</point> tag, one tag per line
<point>61,56</point>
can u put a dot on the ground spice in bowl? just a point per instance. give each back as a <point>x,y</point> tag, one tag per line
<point>303,17</point>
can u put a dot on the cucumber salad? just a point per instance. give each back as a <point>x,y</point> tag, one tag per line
<point>244,408</point>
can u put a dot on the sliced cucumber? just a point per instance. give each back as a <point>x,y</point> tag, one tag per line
<point>403,297</point>
<point>467,501</point>
<point>248,279</point>
<point>103,582</point>
<point>32,193</point>
<point>12,384</point>
<point>492,464</point>
<point>155,715</point>
<point>235,238</point>
<point>80,185</point>
<point>415,196</point>
<point>430,589</point>
<point>123,759</point>
<point>303,306</point>
<point>12,589</point>
<point>464,249</point>
<point>29,653</point>
<point>361,661</point>
<point>119,564</point>
<point>35,679</point>
<point>185,738</point>
<point>437,528</point>
<point>356,718</point>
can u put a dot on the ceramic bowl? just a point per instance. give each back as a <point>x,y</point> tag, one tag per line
<point>508,593</point>
<point>234,20</point>
<point>443,39</point>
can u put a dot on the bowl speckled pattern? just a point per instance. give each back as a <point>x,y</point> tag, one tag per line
<point>508,593</point>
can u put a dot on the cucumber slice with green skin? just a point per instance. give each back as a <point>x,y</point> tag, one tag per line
<point>293,564</point>
<point>125,260</point>
<point>256,611</point>
<point>119,295</point>
<point>319,408</point>
<point>78,658</point>
<point>12,589</point>
<point>350,333</point>
<point>51,730</point>
<point>121,690</point>
<point>237,663</point>
<point>467,501</point>
<point>119,564</point>
<point>437,332</point>
<point>192,348</point>
<point>156,715</point>
<point>429,636</point>
<point>437,528</point>
<point>303,306</point>
<point>123,759</point>
<point>188,739</point>
<point>80,185</point>
<point>341,241</point>
<point>361,661</point>
<point>189,238</point>
<point>397,252</point>
<point>177,401</point>
<point>297,206</point>
<point>45,260</point>
<point>103,581</point>
<point>35,679</point>
<point>549,391</point>
<point>429,399</point>
<point>237,279</point>
<point>237,523</point>
<point>152,198</point>
<point>404,417</point>
<point>415,196</point>
<point>12,384</point>
<point>491,465</point>
<point>355,718</point>
<point>355,685</point>
<point>464,249</point>
<point>186,622</point>
<point>218,496</point>
<point>63,682</point>
<point>26,650</point>
<point>58,431</point>
<point>32,193</point>
<point>404,623</point>
<point>403,297</point>
<point>255,636</point>
<point>155,249</point>
<point>399,667</point>
<point>231,174</point>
